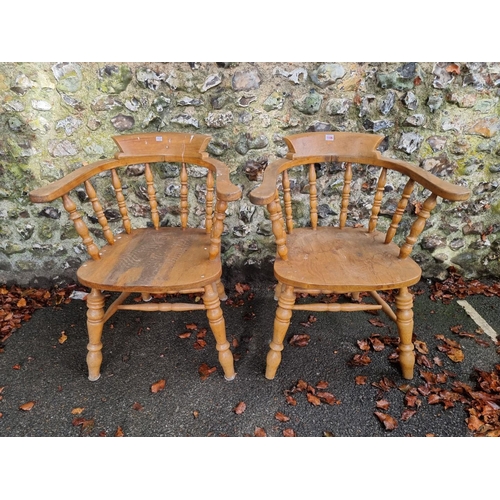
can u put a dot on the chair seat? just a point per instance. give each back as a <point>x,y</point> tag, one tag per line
<point>149,260</point>
<point>344,260</point>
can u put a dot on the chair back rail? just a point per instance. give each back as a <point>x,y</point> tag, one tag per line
<point>138,150</point>
<point>349,149</point>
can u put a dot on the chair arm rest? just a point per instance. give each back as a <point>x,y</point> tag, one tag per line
<point>62,186</point>
<point>441,187</point>
<point>225,189</point>
<point>265,193</point>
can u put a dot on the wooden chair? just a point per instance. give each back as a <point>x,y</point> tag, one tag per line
<point>352,257</point>
<point>155,259</point>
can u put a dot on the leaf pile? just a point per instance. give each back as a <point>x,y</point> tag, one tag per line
<point>315,395</point>
<point>18,304</point>
<point>454,286</point>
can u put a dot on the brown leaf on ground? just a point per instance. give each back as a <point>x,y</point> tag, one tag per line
<point>322,384</point>
<point>192,326</point>
<point>407,414</point>
<point>289,433</point>
<point>383,404</point>
<point>364,345</point>
<point>241,288</point>
<point>300,340</point>
<point>158,386</point>
<point>360,360</point>
<point>240,408</point>
<point>119,432</point>
<point>87,425</point>
<point>301,385</point>
<point>281,417</point>
<point>434,399</point>
<point>291,401</point>
<point>421,347</point>
<point>77,411</point>
<point>377,344</point>
<point>437,361</point>
<point>205,371</point>
<point>327,397</point>
<point>259,432</point>
<point>63,338</point>
<point>196,413</point>
<point>27,406</point>
<point>389,422</point>
<point>199,345</point>
<point>377,322</point>
<point>384,384</point>
<point>184,335</point>
<point>456,355</point>
<point>361,380</point>
<point>137,407</point>
<point>314,400</point>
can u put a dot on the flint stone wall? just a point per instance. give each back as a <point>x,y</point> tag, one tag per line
<point>54,117</point>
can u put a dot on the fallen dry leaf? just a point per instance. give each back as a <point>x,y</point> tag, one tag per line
<point>327,397</point>
<point>87,425</point>
<point>77,411</point>
<point>389,422</point>
<point>383,404</point>
<point>281,417</point>
<point>119,432</point>
<point>27,406</point>
<point>360,360</point>
<point>184,335</point>
<point>240,408</point>
<point>63,338</point>
<point>196,413</point>
<point>158,386</point>
<point>137,407</point>
<point>421,347</point>
<point>300,340</point>
<point>260,432</point>
<point>322,384</point>
<point>377,322</point>
<point>407,414</point>
<point>192,326</point>
<point>289,433</point>
<point>291,401</point>
<point>314,400</point>
<point>199,344</point>
<point>361,380</point>
<point>205,371</point>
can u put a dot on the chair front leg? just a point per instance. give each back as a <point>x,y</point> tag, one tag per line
<point>404,314</point>
<point>286,301</point>
<point>218,326</point>
<point>95,323</point>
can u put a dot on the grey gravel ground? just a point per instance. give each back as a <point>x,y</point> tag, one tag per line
<point>140,349</point>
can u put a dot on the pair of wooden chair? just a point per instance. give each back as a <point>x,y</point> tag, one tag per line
<point>348,258</point>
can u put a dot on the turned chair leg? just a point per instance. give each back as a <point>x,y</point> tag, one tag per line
<point>404,314</point>
<point>218,326</point>
<point>277,290</point>
<point>95,314</point>
<point>286,301</point>
<point>220,290</point>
